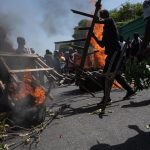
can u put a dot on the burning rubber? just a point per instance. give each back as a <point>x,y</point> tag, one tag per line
<point>21,91</point>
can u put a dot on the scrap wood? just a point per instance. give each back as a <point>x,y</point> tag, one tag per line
<point>82,13</point>
<point>29,136</point>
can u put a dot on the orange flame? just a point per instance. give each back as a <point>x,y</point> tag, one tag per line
<point>26,88</point>
<point>39,94</point>
<point>99,56</point>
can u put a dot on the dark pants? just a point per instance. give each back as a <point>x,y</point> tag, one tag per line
<point>118,77</point>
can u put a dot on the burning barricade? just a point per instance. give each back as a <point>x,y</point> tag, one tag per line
<point>21,93</point>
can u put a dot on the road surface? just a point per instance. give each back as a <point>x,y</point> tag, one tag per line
<point>78,128</point>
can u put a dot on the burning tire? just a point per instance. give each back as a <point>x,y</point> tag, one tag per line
<point>28,117</point>
<point>21,94</point>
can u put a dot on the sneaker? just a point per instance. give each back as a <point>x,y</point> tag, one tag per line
<point>129,94</point>
<point>102,102</point>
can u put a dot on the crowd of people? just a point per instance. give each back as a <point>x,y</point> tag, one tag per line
<point>63,62</point>
<point>66,62</point>
<point>6,46</point>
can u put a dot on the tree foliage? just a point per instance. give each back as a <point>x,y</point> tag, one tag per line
<point>126,13</point>
<point>139,73</point>
<point>81,34</point>
<point>78,33</point>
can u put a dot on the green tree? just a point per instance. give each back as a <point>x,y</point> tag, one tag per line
<point>126,13</point>
<point>81,34</point>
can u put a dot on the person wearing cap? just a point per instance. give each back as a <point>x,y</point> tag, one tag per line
<point>110,41</point>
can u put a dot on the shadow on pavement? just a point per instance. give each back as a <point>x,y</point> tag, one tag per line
<point>138,142</point>
<point>137,104</point>
<point>73,92</point>
<point>93,109</point>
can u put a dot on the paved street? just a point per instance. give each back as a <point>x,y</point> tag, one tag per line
<point>123,127</point>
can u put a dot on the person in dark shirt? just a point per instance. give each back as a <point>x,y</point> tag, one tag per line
<point>49,58</point>
<point>110,41</point>
<point>135,44</point>
<point>110,38</point>
<point>145,46</point>
<point>146,13</point>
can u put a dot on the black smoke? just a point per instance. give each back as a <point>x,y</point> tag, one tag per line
<point>58,17</point>
<point>40,22</point>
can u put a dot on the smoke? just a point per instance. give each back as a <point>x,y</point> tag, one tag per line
<point>58,17</point>
<point>40,22</point>
<point>8,22</point>
<point>9,26</point>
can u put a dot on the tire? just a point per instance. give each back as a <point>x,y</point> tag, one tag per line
<point>28,117</point>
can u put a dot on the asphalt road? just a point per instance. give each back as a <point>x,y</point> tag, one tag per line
<point>78,128</point>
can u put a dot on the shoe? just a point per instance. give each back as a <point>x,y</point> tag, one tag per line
<point>129,94</point>
<point>102,102</point>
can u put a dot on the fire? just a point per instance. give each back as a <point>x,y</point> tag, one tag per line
<point>39,94</point>
<point>99,56</point>
<point>26,88</point>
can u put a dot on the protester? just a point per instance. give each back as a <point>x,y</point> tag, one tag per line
<point>56,61</point>
<point>62,62</point>
<point>128,48</point>
<point>145,46</point>
<point>32,51</point>
<point>146,10</point>
<point>49,58</point>
<point>76,57</point>
<point>66,69</point>
<point>135,44</point>
<point>21,46</point>
<point>121,42</point>
<point>110,41</point>
<point>71,62</point>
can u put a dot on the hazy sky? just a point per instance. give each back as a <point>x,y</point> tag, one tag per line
<point>43,22</point>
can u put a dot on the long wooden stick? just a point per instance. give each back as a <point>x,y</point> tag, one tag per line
<point>29,70</point>
<point>18,55</point>
<point>71,41</point>
<point>82,13</point>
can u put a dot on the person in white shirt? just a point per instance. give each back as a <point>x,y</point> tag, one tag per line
<point>121,42</point>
